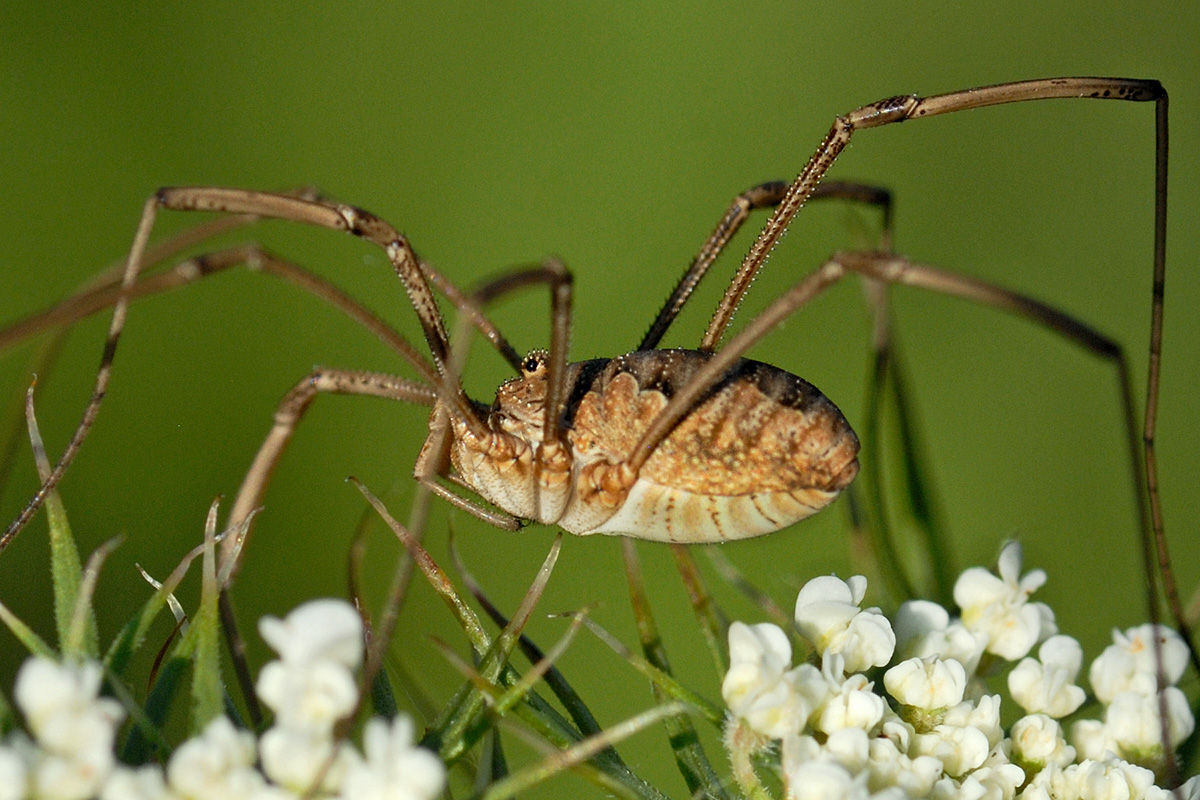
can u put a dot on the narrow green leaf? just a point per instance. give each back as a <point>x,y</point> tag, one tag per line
<point>495,660</point>
<point>25,635</point>
<point>922,500</point>
<point>610,773</point>
<point>694,766</point>
<point>711,621</point>
<point>65,566</point>
<point>134,633</point>
<point>208,691</point>
<point>891,566</point>
<point>146,741</point>
<point>81,631</point>
<point>662,681</point>
<point>557,762</point>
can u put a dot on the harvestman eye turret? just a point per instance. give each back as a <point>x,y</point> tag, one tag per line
<point>675,445</point>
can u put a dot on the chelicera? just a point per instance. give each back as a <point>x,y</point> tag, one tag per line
<point>698,445</point>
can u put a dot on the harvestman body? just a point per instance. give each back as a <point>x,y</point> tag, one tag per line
<point>676,445</point>
<point>763,450</point>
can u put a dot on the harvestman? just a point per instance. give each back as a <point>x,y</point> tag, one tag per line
<point>675,445</point>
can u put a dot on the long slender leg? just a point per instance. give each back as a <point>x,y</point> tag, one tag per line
<point>907,107</point>
<point>471,306</point>
<point>897,270</point>
<point>890,269</point>
<point>107,282</point>
<point>155,254</point>
<point>764,195</point>
<point>288,415</point>
<point>260,204</point>
<point>339,216</point>
<point>561,292</point>
<point>253,257</point>
<point>103,374</point>
<point>104,293</point>
<point>413,273</point>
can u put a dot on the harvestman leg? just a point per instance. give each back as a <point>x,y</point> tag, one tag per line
<point>84,302</point>
<point>769,195</point>
<point>899,109</point>
<point>321,381</point>
<point>252,256</point>
<point>105,293</point>
<point>266,205</point>
<point>293,406</point>
<point>764,195</point>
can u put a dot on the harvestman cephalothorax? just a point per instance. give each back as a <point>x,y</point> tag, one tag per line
<point>675,445</point>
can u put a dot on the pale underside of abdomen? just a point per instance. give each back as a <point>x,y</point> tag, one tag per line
<point>667,514</point>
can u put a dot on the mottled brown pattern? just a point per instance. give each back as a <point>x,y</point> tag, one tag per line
<point>760,430</point>
<point>762,449</point>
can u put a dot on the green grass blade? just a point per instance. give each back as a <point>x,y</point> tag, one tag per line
<point>65,566</point>
<point>25,635</point>
<point>694,766</point>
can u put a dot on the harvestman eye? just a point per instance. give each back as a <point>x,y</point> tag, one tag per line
<point>677,445</point>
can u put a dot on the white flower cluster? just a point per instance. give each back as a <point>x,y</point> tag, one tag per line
<point>73,730</point>
<point>310,688</point>
<point>936,732</point>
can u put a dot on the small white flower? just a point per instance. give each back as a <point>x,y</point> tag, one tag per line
<point>987,783</point>
<point>45,687</point>
<point>143,783</point>
<point>311,697</point>
<point>74,727</point>
<point>1037,740</point>
<point>1091,739</point>
<point>850,747</point>
<point>758,688</point>
<point>796,749</point>
<point>758,657</point>
<point>1189,790</point>
<point>1047,684</point>
<point>216,765</point>
<point>1134,723</point>
<point>824,780</point>
<point>999,606</point>
<point>394,767</point>
<point>86,735</point>
<point>57,777</point>
<point>851,704</point>
<point>1051,782</point>
<point>982,714</point>
<point>296,759</point>
<point>53,695</point>
<point>828,615</point>
<point>959,749</point>
<point>890,766</point>
<point>895,729</point>
<point>319,630</point>
<point>923,628</point>
<point>1128,664</point>
<point>13,774</point>
<point>926,683</point>
<point>1109,779</point>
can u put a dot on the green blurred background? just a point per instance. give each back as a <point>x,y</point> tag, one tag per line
<point>611,135</point>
